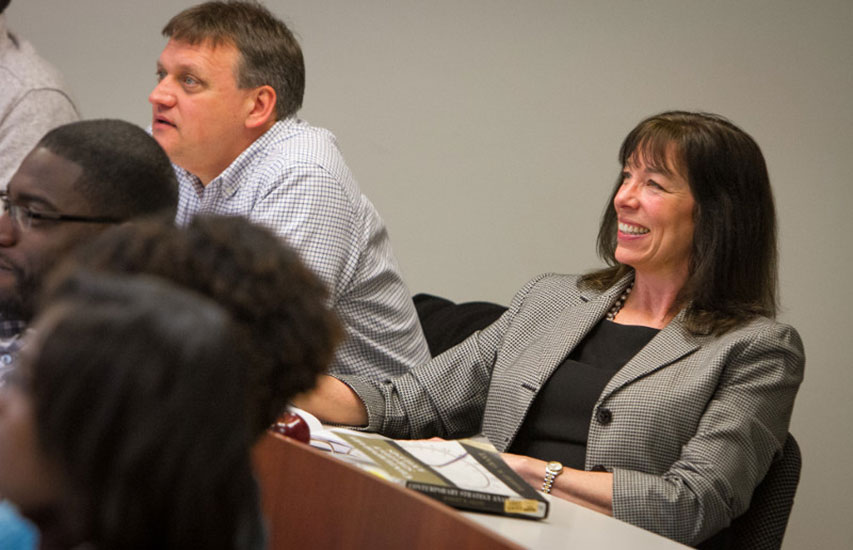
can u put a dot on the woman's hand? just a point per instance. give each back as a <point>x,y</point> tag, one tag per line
<point>333,402</point>
<point>590,489</point>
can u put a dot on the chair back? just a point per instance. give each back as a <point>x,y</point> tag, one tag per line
<point>446,324</point>
<point>762,526</point>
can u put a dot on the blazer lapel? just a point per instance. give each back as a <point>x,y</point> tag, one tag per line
<point>574,324</point>
<point>668,346</point>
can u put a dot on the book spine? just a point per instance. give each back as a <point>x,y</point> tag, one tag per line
<point>479,501</point>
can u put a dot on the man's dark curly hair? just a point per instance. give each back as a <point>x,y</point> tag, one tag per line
<point>254,276</point>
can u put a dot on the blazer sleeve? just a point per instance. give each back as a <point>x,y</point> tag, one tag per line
<point>741,430</point>
<point>444,397</point>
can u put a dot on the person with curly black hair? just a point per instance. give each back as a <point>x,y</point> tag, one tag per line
<point>249,271</point>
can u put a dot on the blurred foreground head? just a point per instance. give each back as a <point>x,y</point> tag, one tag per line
<point>134,392</point>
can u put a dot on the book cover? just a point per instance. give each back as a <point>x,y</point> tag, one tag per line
<point>461,474</point>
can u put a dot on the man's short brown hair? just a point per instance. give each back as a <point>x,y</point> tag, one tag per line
<point>269,53</point>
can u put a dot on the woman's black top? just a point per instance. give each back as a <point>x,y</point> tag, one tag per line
<point>557,423</point>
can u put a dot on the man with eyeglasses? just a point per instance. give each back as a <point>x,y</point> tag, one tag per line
<point>80,178</point>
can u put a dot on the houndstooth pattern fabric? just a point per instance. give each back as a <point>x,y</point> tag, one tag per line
<point>688,427</point>
<point>294,181</point>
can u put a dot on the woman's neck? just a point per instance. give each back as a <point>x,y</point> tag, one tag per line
<point>653,302</point>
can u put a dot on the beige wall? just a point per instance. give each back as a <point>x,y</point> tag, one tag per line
<point>486,132</point>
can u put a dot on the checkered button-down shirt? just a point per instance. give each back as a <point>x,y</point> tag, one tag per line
<point>294,181</point>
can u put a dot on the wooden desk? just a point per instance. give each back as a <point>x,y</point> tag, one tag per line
<point>314,501</point>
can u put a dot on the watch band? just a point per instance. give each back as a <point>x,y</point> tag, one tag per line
<point>552,470</point>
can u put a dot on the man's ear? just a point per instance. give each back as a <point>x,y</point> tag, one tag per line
<point>262,107</point>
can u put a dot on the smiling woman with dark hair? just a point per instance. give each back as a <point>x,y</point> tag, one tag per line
<point>658,389</point>
<point>124,425</point>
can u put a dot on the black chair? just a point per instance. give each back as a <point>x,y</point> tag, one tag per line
<point>446,323</point>
<point>762,526</point>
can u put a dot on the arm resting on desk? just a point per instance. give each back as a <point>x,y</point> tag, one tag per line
<point>333,402</point>
<point>590,489</point>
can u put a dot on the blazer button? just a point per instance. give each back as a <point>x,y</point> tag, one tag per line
<point>604,416</point>
<point>598,468</point>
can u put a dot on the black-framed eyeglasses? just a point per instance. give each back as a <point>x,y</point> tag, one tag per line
<point>23,217</point>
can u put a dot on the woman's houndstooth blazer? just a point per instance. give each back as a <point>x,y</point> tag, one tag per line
<point>688,427</point>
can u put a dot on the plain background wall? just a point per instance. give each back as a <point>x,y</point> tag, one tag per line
<point>486,133</point>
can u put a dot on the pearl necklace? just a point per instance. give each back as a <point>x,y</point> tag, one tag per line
<point>617,305</point>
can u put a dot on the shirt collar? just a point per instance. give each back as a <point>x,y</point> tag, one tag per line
<point>230,179</point>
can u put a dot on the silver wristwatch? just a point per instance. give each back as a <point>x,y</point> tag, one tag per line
<point>552,470</point>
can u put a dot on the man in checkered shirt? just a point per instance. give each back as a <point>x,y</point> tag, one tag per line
<point>230,81</point>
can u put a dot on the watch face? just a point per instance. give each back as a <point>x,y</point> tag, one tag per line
<point>554,467</point>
